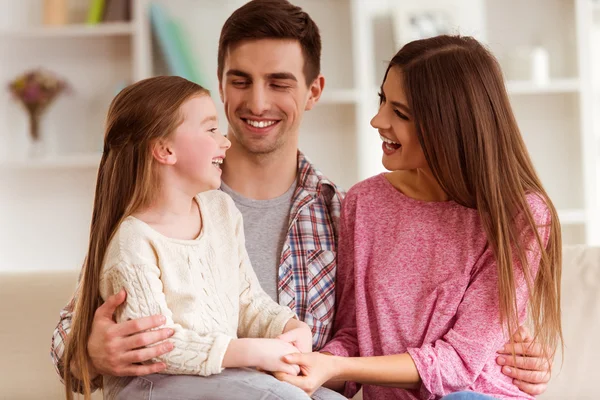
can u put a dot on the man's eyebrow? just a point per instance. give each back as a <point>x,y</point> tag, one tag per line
<point>282,75</point>
<point>274,75</point>
<point>237,72</point>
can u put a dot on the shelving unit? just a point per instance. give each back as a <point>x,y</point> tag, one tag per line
<point>558,121</point>
<point>81,160</point>
<point>70,31</point>
<point>46,202</point>
<point>555,86</point>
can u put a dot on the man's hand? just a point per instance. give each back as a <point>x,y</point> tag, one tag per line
<point>530,370</point>
<point>114,349</point>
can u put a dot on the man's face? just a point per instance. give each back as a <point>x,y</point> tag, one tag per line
<point>264,91</point>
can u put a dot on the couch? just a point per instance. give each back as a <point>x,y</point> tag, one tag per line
<point>30,303</point>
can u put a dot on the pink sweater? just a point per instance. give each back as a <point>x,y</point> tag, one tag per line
<point>418,277</point>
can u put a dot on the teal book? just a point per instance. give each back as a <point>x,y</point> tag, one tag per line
<point>184,51</point>
<point>166,41</point>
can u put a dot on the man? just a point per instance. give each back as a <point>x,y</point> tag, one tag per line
<point>269,75</point>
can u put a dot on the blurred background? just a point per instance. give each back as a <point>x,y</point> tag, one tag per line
<point>90,49</point>
<point>62,62</point>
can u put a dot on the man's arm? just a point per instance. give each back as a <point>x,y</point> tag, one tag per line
<point>113,348</point>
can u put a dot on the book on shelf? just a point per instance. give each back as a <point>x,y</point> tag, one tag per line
<point>95,12</point>
<point>117,10</point>
<point>173,45</point>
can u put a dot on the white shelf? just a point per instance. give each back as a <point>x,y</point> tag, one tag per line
<point>555,86</point>
<point>571,216</point>
<point>78,160</point>
<point>71,31</point>
<point>339,96</point>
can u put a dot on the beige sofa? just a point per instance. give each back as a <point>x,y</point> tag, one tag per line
<point>30,303</point>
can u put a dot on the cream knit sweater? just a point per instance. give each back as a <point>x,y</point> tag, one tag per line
<point>206,287</point>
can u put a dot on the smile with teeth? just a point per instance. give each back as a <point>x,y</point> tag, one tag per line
<point>390,144</point>
<point>259,124</point>
<point>217,162</point>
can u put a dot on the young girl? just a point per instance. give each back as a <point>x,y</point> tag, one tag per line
<point>439,259</point>
<point>176,252</point>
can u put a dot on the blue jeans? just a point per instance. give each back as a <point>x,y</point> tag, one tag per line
<point>467,396</point>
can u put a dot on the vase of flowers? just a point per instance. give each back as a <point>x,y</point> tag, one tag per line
<point>36,90</point>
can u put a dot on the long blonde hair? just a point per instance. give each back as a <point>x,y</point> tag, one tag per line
<point>472,143</point>
<point>140,114</point>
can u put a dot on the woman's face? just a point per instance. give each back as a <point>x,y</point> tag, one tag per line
<point>394,121</point>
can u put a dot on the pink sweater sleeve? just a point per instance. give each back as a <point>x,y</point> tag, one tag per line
<point>454,362</point>
<point>344,342</point>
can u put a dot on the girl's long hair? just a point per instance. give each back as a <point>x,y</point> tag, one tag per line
<point>472,143</point>
<point>139,115</point>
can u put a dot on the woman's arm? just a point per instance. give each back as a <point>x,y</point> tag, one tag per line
<point>331,371</point>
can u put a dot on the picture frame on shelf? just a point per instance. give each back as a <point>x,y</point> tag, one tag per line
<point>428,18</point>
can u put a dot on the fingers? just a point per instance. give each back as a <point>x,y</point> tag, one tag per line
<point>528,363</point>
<point>146,338</point>
<point>522,335</point>
<point>147,353</point>
<point>107,309</point>
<point>294,358</point>
<point>141,370</point>
<point>290,336</point>
<point>523,375</point>
<point>140,325</point>
<point>531,349</point>
<point>529,388</point>
<point>290,369</point>
<point>301,382</point>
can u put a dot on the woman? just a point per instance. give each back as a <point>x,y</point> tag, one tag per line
<point>440,258</point>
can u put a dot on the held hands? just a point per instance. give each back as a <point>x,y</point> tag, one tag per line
<point>299,334</point>
<point>315,368</point>
<point>271,355</point>
<point>530,370</point>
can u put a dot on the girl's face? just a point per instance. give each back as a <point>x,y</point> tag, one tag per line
<point>197,146</point>
<point>394,121</point>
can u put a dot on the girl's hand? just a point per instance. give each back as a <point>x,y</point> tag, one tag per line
<point>270,356</point>
<point>299,334</point>
<point>316,369</point>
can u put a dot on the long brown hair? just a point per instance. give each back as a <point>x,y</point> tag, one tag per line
<point>472,143</point>
<point>139,115</point>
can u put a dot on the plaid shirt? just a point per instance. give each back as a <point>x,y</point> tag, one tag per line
<point>307,268</point>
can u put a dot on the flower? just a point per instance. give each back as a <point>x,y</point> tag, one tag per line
<point>36,89</point>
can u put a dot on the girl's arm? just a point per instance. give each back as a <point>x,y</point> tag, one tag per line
<point>193,353</point>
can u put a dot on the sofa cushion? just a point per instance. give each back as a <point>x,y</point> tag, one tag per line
<point>574,379</point>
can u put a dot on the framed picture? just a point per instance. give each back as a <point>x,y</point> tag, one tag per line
<point>426,18</point>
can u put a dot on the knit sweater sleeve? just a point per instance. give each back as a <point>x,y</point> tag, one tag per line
<point>260,316</point>
<point>193,354</point>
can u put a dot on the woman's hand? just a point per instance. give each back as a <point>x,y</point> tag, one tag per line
<point>299,334</point>
<point>530,370</point>
<point>315,368</point>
